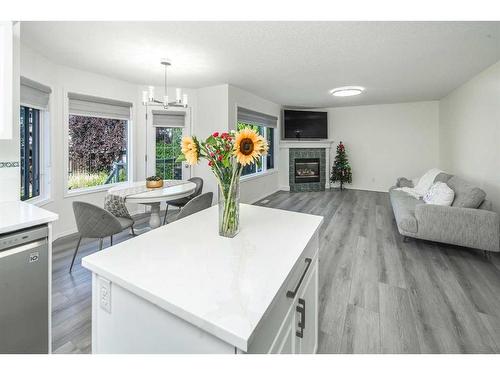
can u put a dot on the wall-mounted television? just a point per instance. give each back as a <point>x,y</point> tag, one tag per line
<point>305,124</point>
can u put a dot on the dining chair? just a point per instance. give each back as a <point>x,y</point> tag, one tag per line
<point>195,205</point>
<point>95,222</point>
<point>181,202</point>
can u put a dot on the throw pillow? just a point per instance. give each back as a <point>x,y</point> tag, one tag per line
<point>466,194</point>
<point>439,194</point>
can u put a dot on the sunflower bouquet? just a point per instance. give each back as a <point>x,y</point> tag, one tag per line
<point>227,153</point>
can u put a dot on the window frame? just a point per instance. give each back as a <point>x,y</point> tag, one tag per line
<point>45,155</point>
<point>100,188</point>
<point>265,171</point>
<point>150,151</point>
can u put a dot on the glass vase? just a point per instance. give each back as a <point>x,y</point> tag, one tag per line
<point>229,208</point>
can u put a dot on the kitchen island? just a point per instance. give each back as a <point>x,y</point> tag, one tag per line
<point>182,288</point>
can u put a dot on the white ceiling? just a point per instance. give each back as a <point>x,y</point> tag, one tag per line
<point>290,63</point>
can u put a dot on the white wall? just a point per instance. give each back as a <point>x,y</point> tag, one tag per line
<point>469,132</point>
<point>210,115</point>
<point>256,187</point>
<point>9,114</point>
<point>387,141</point>
<point>62,79</point>
<point>384,142</point>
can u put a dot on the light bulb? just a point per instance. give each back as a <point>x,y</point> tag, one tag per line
<point>178,94</point>
<point>165,100</point>
<point>185,100</point>
<point>144,97</point>
<point>151,93</point>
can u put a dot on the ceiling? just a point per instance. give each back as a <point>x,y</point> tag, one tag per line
<point>290,63</point>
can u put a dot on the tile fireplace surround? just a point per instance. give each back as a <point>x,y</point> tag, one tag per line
<point>308,150</point>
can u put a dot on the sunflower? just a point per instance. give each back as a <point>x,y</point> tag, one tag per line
<point>249,146</point>
<point>190,150</point>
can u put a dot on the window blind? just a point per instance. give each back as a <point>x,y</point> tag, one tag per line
<point>256,118</point>
<point>34,94</point>
<point>174,119</point>
<point>86,105</point>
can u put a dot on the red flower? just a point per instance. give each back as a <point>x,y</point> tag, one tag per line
<point>220,157</point>
<point>210,163</point>
<point>216,134</point>
<point>217,151</point>
<point>224,135</point>
<point>212,154</point>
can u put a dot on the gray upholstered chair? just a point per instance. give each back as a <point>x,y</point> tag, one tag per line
<point>195,205</point>
<point>95,222</point>
<point>181,202</point>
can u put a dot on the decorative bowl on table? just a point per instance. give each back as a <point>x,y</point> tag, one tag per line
<point>154,182</point>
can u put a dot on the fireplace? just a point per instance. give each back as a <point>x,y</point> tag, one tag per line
<point>307,170</point>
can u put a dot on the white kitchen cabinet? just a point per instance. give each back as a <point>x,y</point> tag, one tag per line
<point>307,314</point>
<point>299,332</point>
<point>285,341</point>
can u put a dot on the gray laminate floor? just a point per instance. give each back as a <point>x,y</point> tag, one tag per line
<point>378,294</point>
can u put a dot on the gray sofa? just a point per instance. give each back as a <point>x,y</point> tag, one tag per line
<point>469,221</point>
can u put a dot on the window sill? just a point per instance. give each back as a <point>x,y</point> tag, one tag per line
<point>91,190</point>
<point>254,176</point>
<point>39,201</point>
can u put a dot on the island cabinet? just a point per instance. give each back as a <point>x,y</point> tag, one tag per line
<point>182,288</point>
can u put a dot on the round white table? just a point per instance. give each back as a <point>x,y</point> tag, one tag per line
<point>153,198</point>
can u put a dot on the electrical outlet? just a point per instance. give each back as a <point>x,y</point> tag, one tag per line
<point>105,294</point>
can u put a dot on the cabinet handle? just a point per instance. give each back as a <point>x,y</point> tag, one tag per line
<point>301,309</point>
<point>292,294</point>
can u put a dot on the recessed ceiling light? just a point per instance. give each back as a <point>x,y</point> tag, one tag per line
<point>347,91</point>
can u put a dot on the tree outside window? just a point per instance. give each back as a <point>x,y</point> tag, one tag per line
<point>98,151</point>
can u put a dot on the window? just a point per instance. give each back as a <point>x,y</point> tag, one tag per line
<point>169,127</point>
<point>34,140</point>
<point>98,140</point>
<point>30,152</point>
<point>168,149</point>
<point>264,125</point>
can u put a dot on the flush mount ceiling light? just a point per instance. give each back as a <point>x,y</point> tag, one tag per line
<point>347,91</point>
<point>148,97</point>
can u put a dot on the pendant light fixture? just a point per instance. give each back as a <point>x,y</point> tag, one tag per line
<point>148,97</point>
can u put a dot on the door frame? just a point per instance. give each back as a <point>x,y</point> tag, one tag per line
<point>151,138</point>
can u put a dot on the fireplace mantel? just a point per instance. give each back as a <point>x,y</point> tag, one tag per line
<point>306,144</point>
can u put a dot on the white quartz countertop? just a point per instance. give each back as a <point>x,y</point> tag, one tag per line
<point>19,215</point>
<point>221,285</point>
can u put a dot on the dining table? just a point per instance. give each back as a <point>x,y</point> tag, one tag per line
<point>172,190</point>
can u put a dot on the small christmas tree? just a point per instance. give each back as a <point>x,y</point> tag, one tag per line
<point>341,170</point>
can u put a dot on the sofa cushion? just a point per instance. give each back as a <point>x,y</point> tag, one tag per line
<point>466,194</point>
<point>443,177</point>
<point>403,206</point>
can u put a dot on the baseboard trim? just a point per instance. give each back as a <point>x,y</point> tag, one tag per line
<point>263,196</point>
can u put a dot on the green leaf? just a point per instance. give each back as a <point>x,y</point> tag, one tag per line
<point>211,140</point>
<point>180,158</point>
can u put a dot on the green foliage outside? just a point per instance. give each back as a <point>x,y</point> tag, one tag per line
<point>168,149</point>
<point>83,180</point>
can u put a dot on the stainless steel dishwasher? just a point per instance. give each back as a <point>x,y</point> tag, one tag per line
<point>24,283</point>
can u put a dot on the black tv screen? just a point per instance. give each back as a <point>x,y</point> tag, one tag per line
<point>305,124</point>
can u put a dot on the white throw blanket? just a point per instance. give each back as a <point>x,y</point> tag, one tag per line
<point>423,185</point>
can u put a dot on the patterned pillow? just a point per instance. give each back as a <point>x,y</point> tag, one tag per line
<point>439,194</point>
